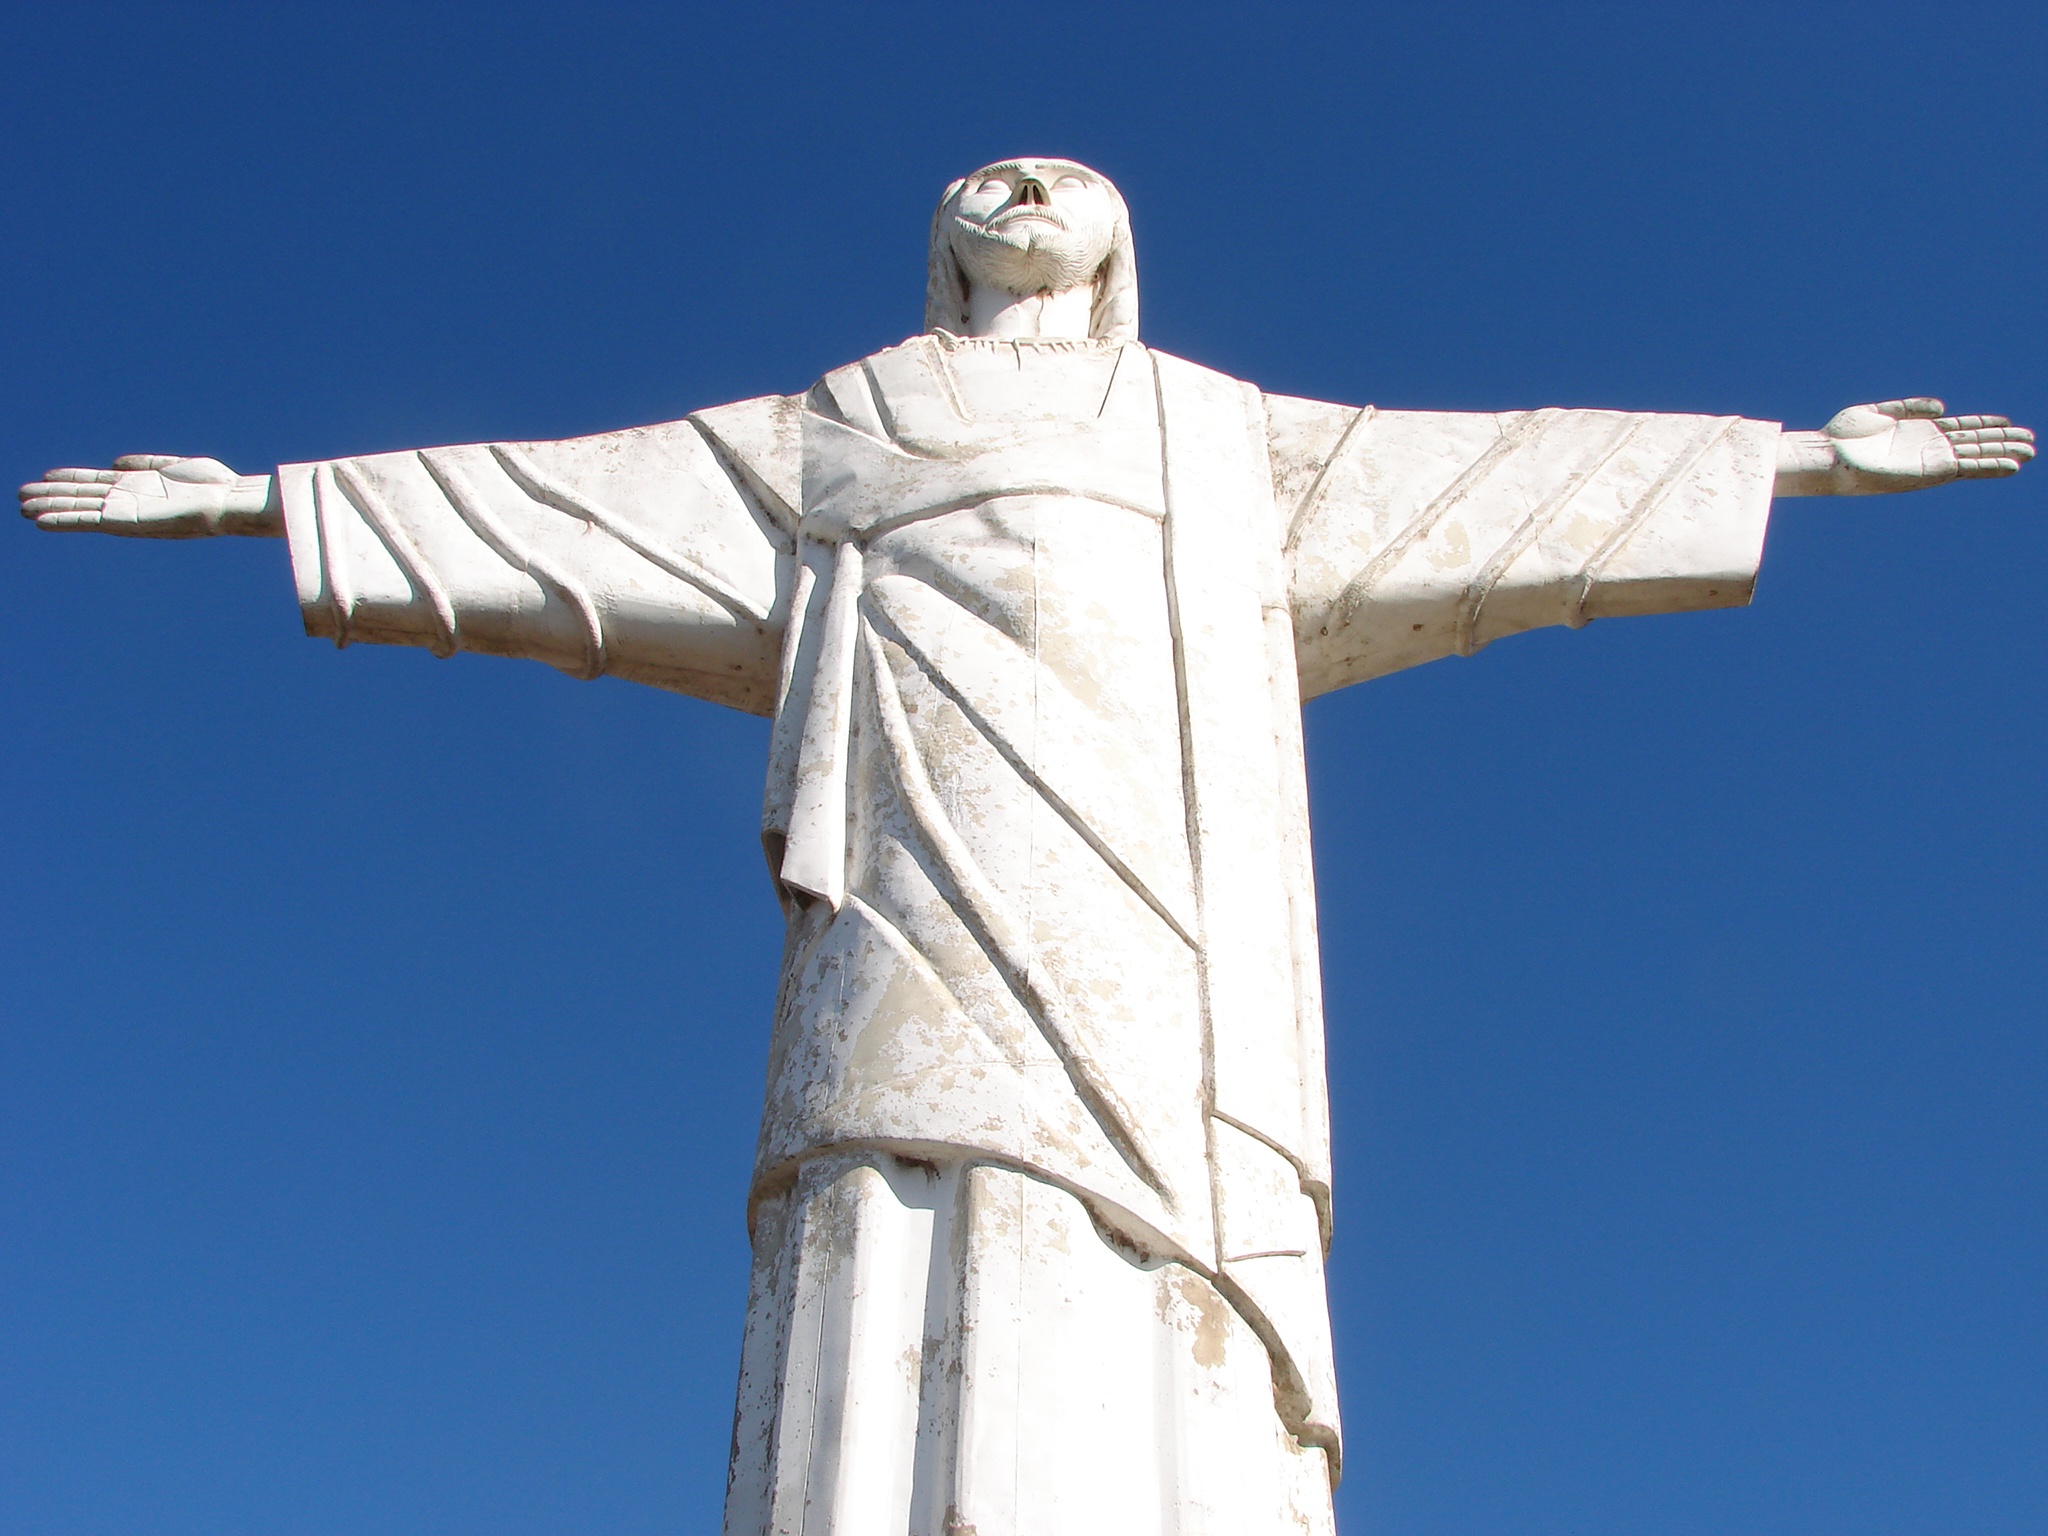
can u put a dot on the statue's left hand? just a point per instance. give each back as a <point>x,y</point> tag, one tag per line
<point>1901,445</point>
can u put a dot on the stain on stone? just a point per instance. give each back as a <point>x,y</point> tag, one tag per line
<point>1212,1321</point>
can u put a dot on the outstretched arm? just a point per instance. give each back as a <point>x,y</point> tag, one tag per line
<point>1898,445</point>
<point>156,496</point>
<point>1415,534</point>
<point>659,554</point>
<point>1412,535</point>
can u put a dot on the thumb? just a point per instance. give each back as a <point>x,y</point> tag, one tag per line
<point>1861,421</point>
<point>198,472</point>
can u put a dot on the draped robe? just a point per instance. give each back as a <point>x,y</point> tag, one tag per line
<point>1042,1191</point>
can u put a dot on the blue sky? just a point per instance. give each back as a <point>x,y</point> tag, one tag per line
<point>381,1038</point>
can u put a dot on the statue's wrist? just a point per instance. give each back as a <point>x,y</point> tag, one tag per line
<point>250,508</point>
<point>1808,465</point>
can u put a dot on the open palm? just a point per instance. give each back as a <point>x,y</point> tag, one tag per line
<point>145,495</point>
<point>1897,445</point>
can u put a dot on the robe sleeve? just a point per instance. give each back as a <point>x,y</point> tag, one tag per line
<point>1412,535</point>
<point>662,554</point>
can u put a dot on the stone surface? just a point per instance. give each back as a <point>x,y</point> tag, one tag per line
<point>1042,1191</point>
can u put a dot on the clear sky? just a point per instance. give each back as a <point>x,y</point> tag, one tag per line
<point>381,1038</point>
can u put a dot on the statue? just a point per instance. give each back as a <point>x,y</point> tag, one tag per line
<point>1042,1189</point>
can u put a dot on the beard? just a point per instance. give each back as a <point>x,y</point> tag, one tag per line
<point>1036,253</point>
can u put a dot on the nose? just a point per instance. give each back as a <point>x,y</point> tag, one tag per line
<point>1032,191</point>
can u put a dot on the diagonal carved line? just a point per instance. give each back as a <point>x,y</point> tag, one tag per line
<point>930,972</point>
<point>872,443</point>
<point>1297,524</point>
<point>543,488</point>
<point>341,597</point>
<point>793,634</point>
<point>744,480</point>
<point>517,554</point>
<point>1531,529</point>
<point>887,626</point>
<point>981,908</point>
<point>367,502</point>
<point>941,366</point>
<point>1115,367</point>
<point>878,397</point>
<point>1051,491</point>
<point>1702,444</point>
<point>1528,430</point>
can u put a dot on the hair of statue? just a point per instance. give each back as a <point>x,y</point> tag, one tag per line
<point>1114,316</point>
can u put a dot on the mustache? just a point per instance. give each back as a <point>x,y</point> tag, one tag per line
<point>1013,215</point>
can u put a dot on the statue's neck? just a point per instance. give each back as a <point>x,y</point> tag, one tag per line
<point>1052,316</point>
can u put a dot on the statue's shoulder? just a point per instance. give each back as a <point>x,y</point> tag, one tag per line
<point>913,352</point>
<point>1187,369</point>
<point>761,440</point>
<point>853,394</point>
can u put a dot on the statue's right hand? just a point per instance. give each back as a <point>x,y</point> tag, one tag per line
<point>150,496</point>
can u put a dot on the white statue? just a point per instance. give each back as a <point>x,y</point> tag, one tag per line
<point>1042,1192</point>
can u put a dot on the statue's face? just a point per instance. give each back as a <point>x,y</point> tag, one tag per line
<point>1033,226</point>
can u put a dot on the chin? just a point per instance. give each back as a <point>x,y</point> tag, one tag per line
<point>1038,257</point>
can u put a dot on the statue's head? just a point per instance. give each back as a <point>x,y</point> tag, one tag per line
<point>1033,226</point>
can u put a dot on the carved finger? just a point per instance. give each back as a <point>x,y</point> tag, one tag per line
<point>83,476</point>
<point>1971,423</point>
<point>149,460</point>
<point>36,506</point>
<point>63,488</point>
<point>2000,450</point>
<point>1987,434</point>
<point>1908,410</point>
<point>61,522</point>
<point>1986,469</point>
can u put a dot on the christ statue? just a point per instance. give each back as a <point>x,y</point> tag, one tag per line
<point>1042,1192</point>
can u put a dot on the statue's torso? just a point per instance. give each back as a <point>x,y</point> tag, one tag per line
<point>1054,606</point>
<point>1007,501</point>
